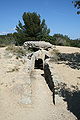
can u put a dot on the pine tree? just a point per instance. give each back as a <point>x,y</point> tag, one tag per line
<point>33,28</point>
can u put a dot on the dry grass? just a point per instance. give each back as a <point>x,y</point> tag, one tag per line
<point>19,51</point>
<point>2,45</point>
<point>15,69</point>
<point>54,55</point>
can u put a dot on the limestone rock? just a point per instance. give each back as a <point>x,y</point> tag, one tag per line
<point>37,44</point>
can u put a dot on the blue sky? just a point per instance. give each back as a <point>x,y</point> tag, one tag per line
<point>60,15</point>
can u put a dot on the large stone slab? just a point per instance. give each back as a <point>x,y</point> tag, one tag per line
<point>37,44</point>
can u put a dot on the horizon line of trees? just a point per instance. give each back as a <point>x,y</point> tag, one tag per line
<point>56,39</point>
<point>35,29</point>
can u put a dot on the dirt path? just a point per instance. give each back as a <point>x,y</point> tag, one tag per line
<point>42,101</point>
<point>42,97</point>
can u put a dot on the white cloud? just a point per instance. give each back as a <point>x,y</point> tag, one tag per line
<point>2,33</point>
<point>11,30</point>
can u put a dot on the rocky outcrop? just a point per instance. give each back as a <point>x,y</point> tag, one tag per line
<point>37,44</point>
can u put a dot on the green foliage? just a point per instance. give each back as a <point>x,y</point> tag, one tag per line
<point>33,28</point>
<point>77,5</point>
<point>56,39</point>
<point>60,39</point>
<point>64,40</point>
<point>75,43</point>
<point>6,40</point>
<point>50,39</point>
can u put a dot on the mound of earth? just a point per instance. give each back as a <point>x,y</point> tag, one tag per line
<point>26,96</point>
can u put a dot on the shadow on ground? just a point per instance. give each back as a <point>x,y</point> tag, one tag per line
<point>73,59</point>
<point>72,97</point>
<point>49,80</point>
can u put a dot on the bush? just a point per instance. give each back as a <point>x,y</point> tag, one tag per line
<point>7,40</point>
<point>61,40</point>
<point>75,43</point>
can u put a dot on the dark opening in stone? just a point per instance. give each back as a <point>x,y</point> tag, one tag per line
<point>39,64</point>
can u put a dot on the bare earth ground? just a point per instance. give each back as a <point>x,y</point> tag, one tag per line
<point>67,74</point>
<point>16,86</point>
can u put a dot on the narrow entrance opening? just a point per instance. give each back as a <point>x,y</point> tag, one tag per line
<point>39,64</point>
